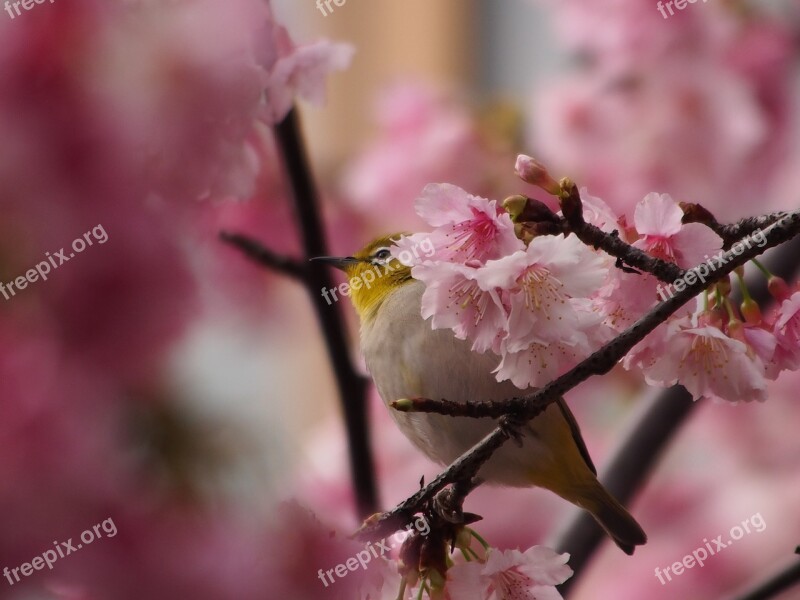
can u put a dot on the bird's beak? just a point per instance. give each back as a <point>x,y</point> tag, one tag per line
<point>340,262</point>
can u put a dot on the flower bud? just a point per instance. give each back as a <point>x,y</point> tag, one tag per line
<point>778,287</point>
<point>532,171</point>
<point>751,311</point>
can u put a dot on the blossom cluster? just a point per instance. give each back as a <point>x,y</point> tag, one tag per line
<point>544,304</point>
<point>485,573</point>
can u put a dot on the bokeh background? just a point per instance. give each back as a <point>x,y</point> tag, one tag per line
<point>162,380</point>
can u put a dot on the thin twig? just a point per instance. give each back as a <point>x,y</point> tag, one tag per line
<point>351,385</point>
<point>266,257</point>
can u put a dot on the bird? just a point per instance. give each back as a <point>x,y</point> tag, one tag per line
<point>406,358</point>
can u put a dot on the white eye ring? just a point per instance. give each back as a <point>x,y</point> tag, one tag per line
<point>382,255</point>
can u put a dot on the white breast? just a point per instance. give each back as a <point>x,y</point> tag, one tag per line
<point>407,359</point>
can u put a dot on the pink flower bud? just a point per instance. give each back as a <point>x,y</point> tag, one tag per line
<point>751,311</point>
<point>778,287</point>
<point>532,171</point>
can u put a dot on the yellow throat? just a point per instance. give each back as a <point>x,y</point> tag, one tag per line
<point>372,273</point>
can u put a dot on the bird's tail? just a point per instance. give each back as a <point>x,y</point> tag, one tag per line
<point>611,516</point>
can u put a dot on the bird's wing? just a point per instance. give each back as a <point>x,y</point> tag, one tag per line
<point>576,434</point>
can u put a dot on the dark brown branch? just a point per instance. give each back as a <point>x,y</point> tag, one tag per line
<point>777,584</point>
<point>540,220</point>
<point>730,234</point>
<point>572,209</point>
<point>351,385</point>
<point>254,250</point>
<point>598,363</point>
<point>443,406</point>
<point>381,525</point>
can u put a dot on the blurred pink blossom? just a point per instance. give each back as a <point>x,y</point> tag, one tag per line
<point>511,575</point>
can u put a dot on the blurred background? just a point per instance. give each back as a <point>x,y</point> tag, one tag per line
<point>162,380</point>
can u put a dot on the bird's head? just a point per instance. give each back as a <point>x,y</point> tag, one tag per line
<point>372,273</point>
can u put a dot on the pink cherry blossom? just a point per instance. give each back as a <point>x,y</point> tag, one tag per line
<point>453,299</point>
<point>467,227</point>
<point>540,363</point>
<point>625,297</point>
<point>708,363</point>
<point>598,213</point>
<point>658,220</point>
<point>510,575</point>
<point>301,71</point>
<point>186,90</point>
<point>542,281</point>
<point>787,332</point>
<point>762,343</point>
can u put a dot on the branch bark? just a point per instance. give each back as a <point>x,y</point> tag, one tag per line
<point>777,584</point>
<point>352,387</point>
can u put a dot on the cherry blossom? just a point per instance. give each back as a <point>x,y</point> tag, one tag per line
<point>467,227</point>
<point>787,332</point>
<point>708,363</point>
<point>510,575</point>
<point>542,281</point>
<point>658,220</point>
<point>454,299</point>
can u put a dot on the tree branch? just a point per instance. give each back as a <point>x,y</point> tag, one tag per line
<point>782,581</point>
<point>695,213</point>
<point>254,250</point>
<point>351,385</point>
<point>573,221</point>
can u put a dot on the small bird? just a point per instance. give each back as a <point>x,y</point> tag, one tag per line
<point>407,358</point>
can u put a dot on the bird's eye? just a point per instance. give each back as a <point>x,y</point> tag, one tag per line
<point>382,254</point>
